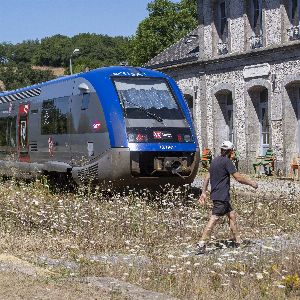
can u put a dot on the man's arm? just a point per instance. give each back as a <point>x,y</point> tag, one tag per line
<point>202,198</point>
<point>243,180</point>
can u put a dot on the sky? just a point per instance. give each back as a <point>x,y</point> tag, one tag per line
<point>35,19</point>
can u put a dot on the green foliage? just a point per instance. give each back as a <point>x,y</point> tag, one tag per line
<point>95,51</point>
<point>98,51</point>
<point>18,75</point>
<point>53,51</point>
<point>166,24</point>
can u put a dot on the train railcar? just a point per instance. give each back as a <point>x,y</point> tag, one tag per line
<point>120,124</point>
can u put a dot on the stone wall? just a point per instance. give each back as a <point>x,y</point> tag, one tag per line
<point>276,68</point>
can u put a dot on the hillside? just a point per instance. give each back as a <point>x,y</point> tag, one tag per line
<point>57,72</point>
<point>31,62</point>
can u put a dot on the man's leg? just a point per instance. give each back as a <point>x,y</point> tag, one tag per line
<point>201,246</point>
<point>234,227</point>
<point>209,228</point>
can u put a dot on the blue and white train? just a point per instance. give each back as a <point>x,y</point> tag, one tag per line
<point>117,124</point>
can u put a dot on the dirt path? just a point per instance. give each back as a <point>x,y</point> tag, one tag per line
<point>20,279</point>
<point>15,286</point>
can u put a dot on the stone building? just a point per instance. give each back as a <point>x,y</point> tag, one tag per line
<point>240,74</point>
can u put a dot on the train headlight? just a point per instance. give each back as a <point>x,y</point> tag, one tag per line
<point>137,138</point>
<point>187,138</point>
<point>131,138</point>
<point>184,138</point>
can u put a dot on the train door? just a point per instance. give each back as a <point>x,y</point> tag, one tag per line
<point>23,141</point>
<point>55,129</point>
<point>79,127</point>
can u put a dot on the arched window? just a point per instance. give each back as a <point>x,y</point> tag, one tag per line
<point>229,109</point>
<point>258,121</point>
<point>190,102</point>
<point>292,119</point>
<point>223,117</point>
<point>265,126</point>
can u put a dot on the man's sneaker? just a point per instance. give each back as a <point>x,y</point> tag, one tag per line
<point>237,245</point>
<point>242,244</point>
<point>200,249</point>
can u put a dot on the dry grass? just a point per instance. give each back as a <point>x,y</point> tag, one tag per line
<point>163,228</point>
<point>15,287</point>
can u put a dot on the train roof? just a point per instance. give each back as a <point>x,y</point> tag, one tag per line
<point>125,71</point>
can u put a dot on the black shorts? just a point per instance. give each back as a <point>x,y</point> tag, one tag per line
<point>221,208</point>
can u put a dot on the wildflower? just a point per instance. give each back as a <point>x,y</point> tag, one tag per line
<point>281,286</point>
<point>259,276</point>
<point>217,265</point>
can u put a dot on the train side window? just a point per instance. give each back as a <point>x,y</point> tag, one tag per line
<point>12,131</point>
<point>8,131</point>
<point>3,131</point>
<point>54,116</point>
<point>47,116</point>
<point>85,101</point>
<point>62,107</point>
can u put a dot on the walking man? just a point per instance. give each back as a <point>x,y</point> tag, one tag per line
<point>219,176</point>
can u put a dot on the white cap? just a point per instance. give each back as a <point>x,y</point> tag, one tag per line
<point>227,145</point>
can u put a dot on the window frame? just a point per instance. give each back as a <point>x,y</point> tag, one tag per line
<point>257,17</point>
<point>166,81</point>
<point>294,12</point>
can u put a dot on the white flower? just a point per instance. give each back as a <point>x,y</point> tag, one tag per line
<point>217,264</point>
<point>281,286</point>
<point>259,276</point>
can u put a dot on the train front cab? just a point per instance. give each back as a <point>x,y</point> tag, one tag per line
<point>161,138</point>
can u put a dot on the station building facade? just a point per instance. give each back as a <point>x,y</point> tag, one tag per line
<point>240,74</point>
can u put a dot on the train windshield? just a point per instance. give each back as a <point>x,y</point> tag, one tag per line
<point>145,98</point>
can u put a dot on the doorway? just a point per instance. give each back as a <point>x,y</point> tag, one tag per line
<point>23,142</point>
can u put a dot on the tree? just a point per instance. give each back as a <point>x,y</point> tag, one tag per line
<point>167,23</point>
<point>98,50</point>
<point>54,51</point>
<point>19,75</point>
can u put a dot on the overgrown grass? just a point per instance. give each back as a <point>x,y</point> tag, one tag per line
<point>163,228</point>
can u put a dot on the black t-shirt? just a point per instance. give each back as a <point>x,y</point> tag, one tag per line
<point>220,169</point>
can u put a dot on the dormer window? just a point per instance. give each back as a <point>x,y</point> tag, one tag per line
<point>222,26</point>
<point>295,12</point>
<point>256,22</point>
<point>294,16</point>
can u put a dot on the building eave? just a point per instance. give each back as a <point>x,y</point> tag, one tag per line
<point>228,57</point>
